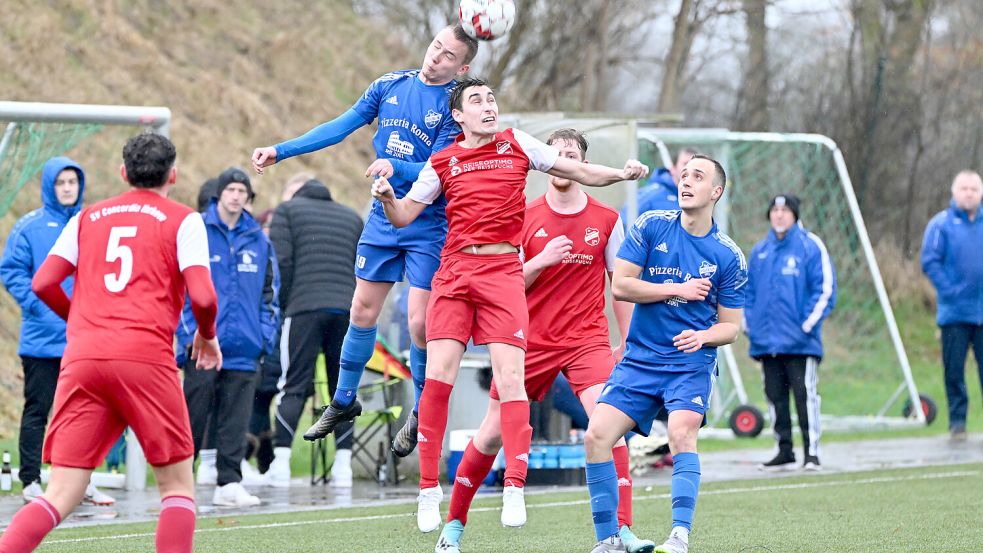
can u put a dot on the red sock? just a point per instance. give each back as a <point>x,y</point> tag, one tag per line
<point>623,468</point>
<point>29,526</point>
<point>516,436</point>
<point>473,469</point>
<point>433,423</point>
<point>176,527</point>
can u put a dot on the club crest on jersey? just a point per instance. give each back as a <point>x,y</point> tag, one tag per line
<point>432,118</point>
<point>707,269</point>
<point>592,236</point>
<point>248,265</point>
<point>503,146</point>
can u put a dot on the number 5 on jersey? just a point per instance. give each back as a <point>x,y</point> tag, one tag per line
<point>114,251</point>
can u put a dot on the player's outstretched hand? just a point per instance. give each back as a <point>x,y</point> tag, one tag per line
<point>207,352</point>
<point>380,168</point>
<point>382,190</point>
<point>555,250</point>
<point>635,170</point>
<point>694,289</point>
<point>688,341</point>
<point>263,157</point>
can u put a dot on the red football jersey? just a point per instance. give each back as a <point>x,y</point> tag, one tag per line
<point>485,187</point>
<point>566,301</point>
<point>128,253</point>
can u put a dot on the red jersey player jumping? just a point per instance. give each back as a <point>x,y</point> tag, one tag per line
<point>133,255</point>
<point>479,290</point>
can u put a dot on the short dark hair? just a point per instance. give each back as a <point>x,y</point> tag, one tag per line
<point>148,158</point>
<point>720,176</point>
<point>468,40</point>
<point>457,95</point>
<point>570,135</point>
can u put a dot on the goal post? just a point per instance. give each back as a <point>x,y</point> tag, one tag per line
<point>35,132</point>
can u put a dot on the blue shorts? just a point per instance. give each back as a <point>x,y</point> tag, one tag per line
<point>386,254</point>
<point>642,391</point>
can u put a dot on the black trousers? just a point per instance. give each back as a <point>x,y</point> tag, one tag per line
<point>797,374</point>
<point>956,340</point>
<point>40,380</point>
<point>304,336</point>
<point>230,394</point>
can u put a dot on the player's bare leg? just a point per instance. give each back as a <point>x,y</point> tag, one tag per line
<point>176,526</point>
<point>356,351</point>
<point>405,441</point>
<point>684,426</point>
<point>607,426</point>
<point>39,517</point>
<point>588,398</point>
<point>444,362</point>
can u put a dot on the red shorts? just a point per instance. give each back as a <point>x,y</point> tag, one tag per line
<point>481,297</point>
<point>96,399</point>
<point>584,366</point>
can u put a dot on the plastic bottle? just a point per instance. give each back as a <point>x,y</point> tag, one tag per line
<point>6,479</point>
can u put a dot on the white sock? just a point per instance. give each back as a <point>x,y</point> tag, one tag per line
<point>207,457</point>
<point>343,457</point>
<point>680,532</point>
<point>281,454</point>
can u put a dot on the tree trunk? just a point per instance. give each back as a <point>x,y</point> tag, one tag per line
<point>675,65</point>
<point>754,113</point>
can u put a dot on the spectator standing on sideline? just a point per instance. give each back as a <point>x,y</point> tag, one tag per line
<point>951,258</point>
<point>246,280</point>
<point>791,290</point>
<point>315,239</point>
<point>42,332</point>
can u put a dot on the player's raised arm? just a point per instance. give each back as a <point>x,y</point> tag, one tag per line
<point>321,136</point>
<point>400,212</point>
<point>592,174</point>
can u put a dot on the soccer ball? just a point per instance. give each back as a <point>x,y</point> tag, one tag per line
<point>487,19</point>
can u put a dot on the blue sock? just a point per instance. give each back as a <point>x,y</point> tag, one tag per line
<point>685,486</point>
<point>602,484</point>
<point>356,351</point>
<point>418,367</point>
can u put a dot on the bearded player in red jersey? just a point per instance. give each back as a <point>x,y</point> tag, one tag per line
<point>133,256</point>
<point>479,290</point>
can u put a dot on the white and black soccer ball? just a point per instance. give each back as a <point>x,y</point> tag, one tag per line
<point>487,19</point>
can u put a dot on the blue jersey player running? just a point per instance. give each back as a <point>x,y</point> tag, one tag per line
<point>413,121</point>
<point>687,279</point>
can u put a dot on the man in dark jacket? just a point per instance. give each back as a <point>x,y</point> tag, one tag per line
<point>791,290</point>
<point>315,241</point>
<point>42,332</point>
<point>951,259</point>
<point>244,272</point>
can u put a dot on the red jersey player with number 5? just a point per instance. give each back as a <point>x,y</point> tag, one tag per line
<point>133,256</point>
<point>479,290</point>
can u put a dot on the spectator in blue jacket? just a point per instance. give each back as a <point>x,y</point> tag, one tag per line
<point>952,260</point>
<point>791,289</point>
<point>42,333</point>
<point>247,281</point>
<point>661,191</point>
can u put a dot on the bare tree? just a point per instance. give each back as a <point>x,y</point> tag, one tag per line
<point>752,112</point>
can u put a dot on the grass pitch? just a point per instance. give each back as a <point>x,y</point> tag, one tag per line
<point>925,509</point>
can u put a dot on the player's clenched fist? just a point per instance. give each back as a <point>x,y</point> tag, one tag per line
<point>635,170</point>
<point>380,168</point>
<point>382,190</point>
<point>263,157</point>
<point>688,341</point>
<point>555,250</point>
<point>694,289</point>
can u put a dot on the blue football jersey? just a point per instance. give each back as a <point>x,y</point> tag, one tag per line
<point>658,244</point>
<point>414,121</point>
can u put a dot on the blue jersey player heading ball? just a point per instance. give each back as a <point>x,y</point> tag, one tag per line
<point>414,121</point>
<point>687,279</point>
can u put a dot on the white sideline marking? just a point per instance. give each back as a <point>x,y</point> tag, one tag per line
<point>725,491</point>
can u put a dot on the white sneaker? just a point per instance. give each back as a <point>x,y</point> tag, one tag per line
<point>95,497</point>
<point>428,509</point>
<point>250,476</point>
<point>278,475</point>
<point>513,507</point>
<point>233,495</point>
<point>610,545</point>
<point>207,473</point>
<point>678,542</point>
<point>341,469</point>
<point>32,491</point>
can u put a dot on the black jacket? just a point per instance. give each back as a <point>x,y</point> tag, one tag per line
<point>315,239</point>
